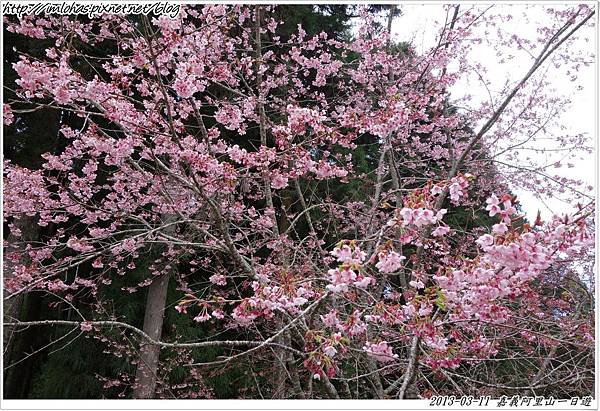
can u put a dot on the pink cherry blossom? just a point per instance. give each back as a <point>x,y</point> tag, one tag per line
<point>381,351</point>
<point>440,231</point>
<point>86,326</point>
<point>7,115</point>
<point>389,262</point>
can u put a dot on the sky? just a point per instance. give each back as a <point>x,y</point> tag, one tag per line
<point>419,24</point>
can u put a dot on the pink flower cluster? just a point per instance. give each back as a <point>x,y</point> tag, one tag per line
<point>218,279</point>
<point>503,270</point>
<point>270,298</point>
<point>349,272</point>
<point>421,217</point>
<point>457,187</point>
<point>7,115</point>
<point>493,206</point>
<point>231,117</point>
<point>389,261</point>
<point>381,351</point>
<point>440,231</point>
<point>347,255</point>
<point>341,278</point>
<point>79,245</point>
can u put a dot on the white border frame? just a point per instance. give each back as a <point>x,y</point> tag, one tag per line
<point>312,405</point>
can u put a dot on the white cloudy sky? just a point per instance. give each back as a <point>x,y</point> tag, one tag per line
<point>419,25</point>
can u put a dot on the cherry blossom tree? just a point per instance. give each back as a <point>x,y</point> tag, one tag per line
<point>305,196</point>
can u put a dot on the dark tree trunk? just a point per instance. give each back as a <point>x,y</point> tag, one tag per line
<point>17,343</point>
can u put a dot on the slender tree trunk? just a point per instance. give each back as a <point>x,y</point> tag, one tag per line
<point>280,372</point>
<point>147,368</point>
<point>145,376</point>
<point>284,360</point>
<point>20,308</point>
<point>29,233</point>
